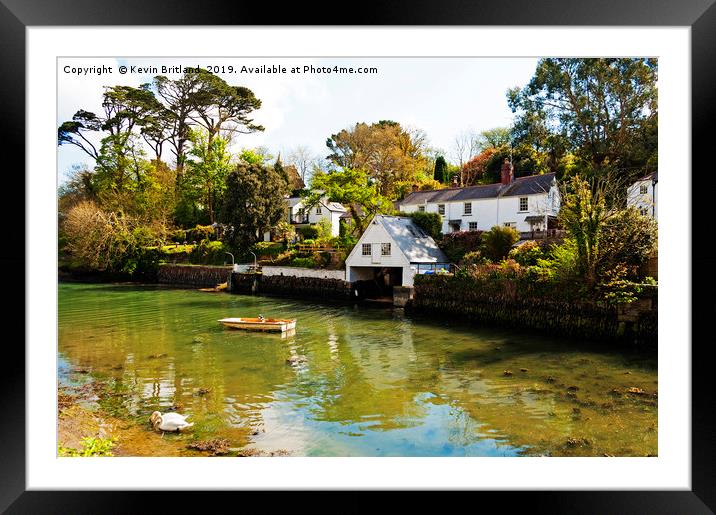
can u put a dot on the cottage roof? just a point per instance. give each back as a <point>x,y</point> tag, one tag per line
<point>331,206</point>
<point>336,206</point>
<point>521,186</point>
<point>414,242</point>
<point>648,177</point>
<point>530,185</point>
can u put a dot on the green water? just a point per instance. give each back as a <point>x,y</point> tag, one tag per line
<point>368,381</point>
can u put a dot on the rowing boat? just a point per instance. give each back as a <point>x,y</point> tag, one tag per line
<point>260,324</point>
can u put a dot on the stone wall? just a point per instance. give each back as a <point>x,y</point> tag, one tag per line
<point>291,286</point>
<point>631,323</point>
<point>294,271</point>
<point>193,275</point>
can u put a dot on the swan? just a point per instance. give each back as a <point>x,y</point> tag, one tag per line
<point>169,421</point>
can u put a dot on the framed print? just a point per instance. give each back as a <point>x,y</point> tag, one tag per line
<point>389,255</point>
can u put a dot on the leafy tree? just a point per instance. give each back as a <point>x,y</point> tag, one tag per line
<point>430,222</point>
<point>253,204</point>
<point>494,138</point>
<point>440,172</point>
<point>353,188</point>
<point>476,169</point>
<point>604,110</point>
<point>390,154</point>
<point>205,179</point>
<point>628,239</point>
<point>498,241</point>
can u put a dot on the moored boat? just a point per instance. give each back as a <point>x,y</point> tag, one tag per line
<point>260,324</point>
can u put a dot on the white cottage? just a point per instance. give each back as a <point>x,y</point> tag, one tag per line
<point>643,195</point>
<point>527,203</point>
<point>299,216</point>
<point>394,248</point>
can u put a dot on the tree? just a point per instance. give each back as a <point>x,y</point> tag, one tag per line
<point>303,159</point>
<point>431,223</point>
<point>606,109</point>
<point>440,172</point>
<point>353,188</point>
<point>476,168</point>
<point>391,155</point>
<point>205,179</point>
<point>494,138</point>
<point>253,204</point>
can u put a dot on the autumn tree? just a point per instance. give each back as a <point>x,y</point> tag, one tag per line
<point>391,155</point>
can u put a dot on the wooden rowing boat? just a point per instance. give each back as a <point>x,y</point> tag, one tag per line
<point>260,324</point>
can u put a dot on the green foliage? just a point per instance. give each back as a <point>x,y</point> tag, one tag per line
<point>498,241</point>
<point>208,253</point>
<point>253,204</point>
<point>474,257</point>
<point>440,172</point>
<point>324,230</point>
<point>267,249</point>
<point>200,233</point>
<point>308,232</point>
<point>91,447</point>
<point>456,244</point>
<point>628,239</point>
<point>304,262</point>
<point>429,222</point>
<point>353,188</point>
<point>604,111</point>
<point>528,254</point>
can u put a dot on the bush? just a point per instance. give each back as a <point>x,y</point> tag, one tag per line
<point>498,241</point>
<point>178,236</point>
<point>431,223</point>
<point>303,262</point>
<point>457,244</point>
<point>267,249</point>
<point>307,233</point>
<point>208,253</point>
<point>474,258</point>
<point>324,230</point>
<point>528,254</point>
<point>200,233</point>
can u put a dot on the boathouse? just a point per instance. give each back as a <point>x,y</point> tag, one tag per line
<point>391,251</point>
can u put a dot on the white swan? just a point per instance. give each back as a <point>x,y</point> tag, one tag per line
<point>169,421</point>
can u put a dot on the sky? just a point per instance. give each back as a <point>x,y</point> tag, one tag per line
<point>441,96</point>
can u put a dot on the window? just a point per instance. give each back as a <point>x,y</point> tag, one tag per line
<point>318,210</point>
<point>644,211</point>
<point>511,224</point>
<point>523,203</point>
<point>473,226</point>
<point>441,209</point>
<point>385,249</point>
<point>468,209</point>
<point>643,189</point>
<point>421,209</point>
<point>366,249</point>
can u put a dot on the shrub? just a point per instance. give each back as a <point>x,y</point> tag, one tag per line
<point>303,262</point>
<point>474,258</point>
<point>324,230</point>
<point>528,254</point>
<point>498,241</point>
<point>178,236</point>
<point>457,244</point>
<point>208,253</point>
<point>431,223</point>
<point>267,249</point>
<point>307,233</point>
<point>200,233</point>
<point>627,240</point>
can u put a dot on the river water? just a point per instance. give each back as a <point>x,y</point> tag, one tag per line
<point>353,380</point>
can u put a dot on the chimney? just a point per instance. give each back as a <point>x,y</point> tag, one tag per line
<point>415,187</point>
<point>454,181</point>
<point>506,172</point>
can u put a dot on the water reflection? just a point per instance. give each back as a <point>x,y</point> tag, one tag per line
<point>356,381</point>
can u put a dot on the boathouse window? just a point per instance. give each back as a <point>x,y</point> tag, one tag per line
<point>473,226</point>
<point>385,249</point>
<point>421,209</point>
<point>643,189</point>
<point>366,249</point>
<point>441,209</point>
<point>523,203</point>
<point>468,209</point>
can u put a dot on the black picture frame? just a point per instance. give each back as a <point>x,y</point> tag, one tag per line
<point>700,15</point>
